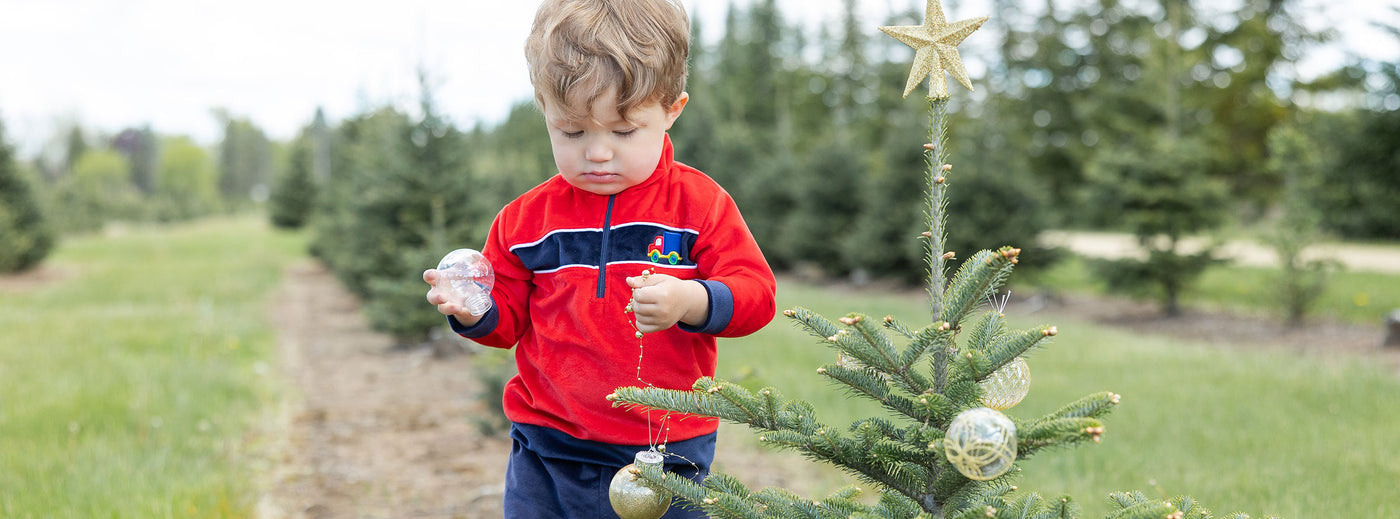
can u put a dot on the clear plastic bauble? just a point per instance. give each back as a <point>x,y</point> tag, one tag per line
<point>1005,387</point>
<point>469,280</point>
<point>981,443</point>
<point>633,500</point>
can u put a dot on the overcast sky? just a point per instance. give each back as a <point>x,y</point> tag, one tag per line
<point>109,65</point>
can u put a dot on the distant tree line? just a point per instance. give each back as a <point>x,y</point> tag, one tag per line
<point>82,181</point>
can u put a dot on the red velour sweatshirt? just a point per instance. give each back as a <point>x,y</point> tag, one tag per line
<point>561,256</point>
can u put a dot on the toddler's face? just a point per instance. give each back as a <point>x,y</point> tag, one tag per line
<point>608,154</point>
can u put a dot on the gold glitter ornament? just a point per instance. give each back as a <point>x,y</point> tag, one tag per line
<point>1005,387</point>
<point>981,443</point>
<point>935,46</point>
<point>632,500</point>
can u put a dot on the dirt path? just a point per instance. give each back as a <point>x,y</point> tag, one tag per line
<point>375,431</point>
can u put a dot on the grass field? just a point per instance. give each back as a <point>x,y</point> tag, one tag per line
<point>1349,296</point>
<point>131,379</point>
<point>1266,433</point>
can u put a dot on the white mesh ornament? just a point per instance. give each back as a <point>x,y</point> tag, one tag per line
<point>981,443</point>
<point>1005,387</point>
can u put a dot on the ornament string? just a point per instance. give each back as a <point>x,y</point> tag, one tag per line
<point>656,442</point>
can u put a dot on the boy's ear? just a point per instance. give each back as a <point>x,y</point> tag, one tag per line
<point>674,111</point>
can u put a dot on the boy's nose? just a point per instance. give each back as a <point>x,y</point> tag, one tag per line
<point>598,152</point>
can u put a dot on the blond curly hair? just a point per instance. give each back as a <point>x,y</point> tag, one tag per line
<point>578,49</point>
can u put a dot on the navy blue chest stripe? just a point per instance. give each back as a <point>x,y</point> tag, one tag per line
<point>584,247</point>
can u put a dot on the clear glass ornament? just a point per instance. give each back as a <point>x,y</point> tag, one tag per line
<point>469,280</point>
<point>1005,387</point>
<point>632,500</point>
<point>981,443</point>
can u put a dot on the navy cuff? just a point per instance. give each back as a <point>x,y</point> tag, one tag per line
<point>482,328</point>
<point>721,309</point>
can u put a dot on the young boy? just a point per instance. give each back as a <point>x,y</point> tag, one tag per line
<point>569,257</point>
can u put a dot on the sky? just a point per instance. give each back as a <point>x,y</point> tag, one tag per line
<point>169,63</point>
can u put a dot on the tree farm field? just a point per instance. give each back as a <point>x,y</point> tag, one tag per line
<point>135,367</point>
<point>141,375</point>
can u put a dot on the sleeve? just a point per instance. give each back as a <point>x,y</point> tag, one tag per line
<point>506,321</point>
<point>740,283</point>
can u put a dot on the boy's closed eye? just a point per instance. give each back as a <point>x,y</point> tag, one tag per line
<point>576,134</point>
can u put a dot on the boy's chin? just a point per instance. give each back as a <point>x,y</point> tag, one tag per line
<point>600,188</point>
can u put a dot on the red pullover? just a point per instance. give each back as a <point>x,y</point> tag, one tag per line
<point>561,256</point>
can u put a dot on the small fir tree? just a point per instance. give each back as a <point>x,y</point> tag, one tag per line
<point>294,192</point>
<point>1301,280</point>
<point>914,449</point>
<point>399,197</point>
<point>1164,198</point>
<point>25,237</point>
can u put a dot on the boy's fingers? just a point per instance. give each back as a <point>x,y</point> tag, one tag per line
<point>647,281</point>
<point>643,296</point>
<point>448,309</point>
<point>436,296</point>
<point>430,276</point>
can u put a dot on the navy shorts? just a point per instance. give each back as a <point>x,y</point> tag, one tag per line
<point>553,475</point>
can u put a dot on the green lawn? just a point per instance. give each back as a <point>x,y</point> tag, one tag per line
<point>1350,296</point>
<point>133,380</point>
<point>1266,433</point>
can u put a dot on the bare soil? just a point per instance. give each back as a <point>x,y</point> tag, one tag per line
<point>33,279</point>
<point>380,431</point>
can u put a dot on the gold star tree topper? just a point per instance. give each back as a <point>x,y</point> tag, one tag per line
<point>936,49</point>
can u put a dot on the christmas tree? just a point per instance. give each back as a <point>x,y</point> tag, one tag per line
<point>950,452</point>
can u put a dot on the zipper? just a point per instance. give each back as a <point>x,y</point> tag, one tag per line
<point>603,254</point>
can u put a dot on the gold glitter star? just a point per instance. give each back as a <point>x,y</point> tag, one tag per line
<point>936,49</point>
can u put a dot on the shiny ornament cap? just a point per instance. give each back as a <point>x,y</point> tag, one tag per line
<point>632,500</point>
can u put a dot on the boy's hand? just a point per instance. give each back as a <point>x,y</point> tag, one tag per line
<point>438,297</point>
<point>660,301</point>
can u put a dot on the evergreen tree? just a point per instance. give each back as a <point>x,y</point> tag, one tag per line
<point>1159,188</point>
<point>1358,195</point>
<point>917,449</point>
<point>1301,280</point>
<point>25,236</point>
<point>1164,198</point>
<point>294,192</point>
<point>366,147</point>
<point>1242,69</point>
<point>822,208</point>
<point>399,198</point>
